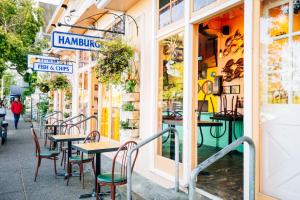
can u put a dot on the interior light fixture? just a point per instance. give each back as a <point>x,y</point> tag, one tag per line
<point>220,53</point>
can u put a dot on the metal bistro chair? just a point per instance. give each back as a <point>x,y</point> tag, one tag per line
<point>51,131</point>
<point>63,147</point>
<point>114,178</point>
<point>94,136</point>
<point>51,155</point>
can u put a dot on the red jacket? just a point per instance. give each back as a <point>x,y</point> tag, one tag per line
<point>16,107</point>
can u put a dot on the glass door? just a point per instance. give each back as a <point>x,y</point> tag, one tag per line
<point>280,95</point>
<point>170,99</point>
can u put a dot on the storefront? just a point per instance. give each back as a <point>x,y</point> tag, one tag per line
<point>199,60</point>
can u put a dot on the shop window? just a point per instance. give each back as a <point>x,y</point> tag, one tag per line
<point>280,40</point>
<point>83,59</point>
<point>296,16</point>
<point>198,4</point>
<point>171,91</point>
<point>170,11</point>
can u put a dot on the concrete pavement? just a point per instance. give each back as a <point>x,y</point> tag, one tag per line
<point>17,164</point>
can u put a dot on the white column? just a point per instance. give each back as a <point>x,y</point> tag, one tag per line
<point>153,83</point>
<point>187,95</point>
<point>248,93</point>
<point>75,85</point>
<point>55,101</point>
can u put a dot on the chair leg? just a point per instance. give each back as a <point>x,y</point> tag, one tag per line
<point>82,172</point>
<point>62,158</point>
<point>97,191</point>
<point>69,172</point>
<point>112,192</point>
<point>46,138</point>
<point>65,160</point>
<point>55,171</point>
<point>37,168</point>
<point>93,166</point>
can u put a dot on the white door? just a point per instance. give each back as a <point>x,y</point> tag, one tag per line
<point>280,99</point>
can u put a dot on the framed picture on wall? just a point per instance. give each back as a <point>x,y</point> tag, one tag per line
<point>235,89</point>
<point>226,89</point>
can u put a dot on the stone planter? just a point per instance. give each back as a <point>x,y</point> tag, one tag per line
<point>130,115</point>
<point>134,97</point>
<point>128,134</point>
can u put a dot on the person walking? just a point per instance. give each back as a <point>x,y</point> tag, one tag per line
<point>16,108</point>
<point>2,110</point>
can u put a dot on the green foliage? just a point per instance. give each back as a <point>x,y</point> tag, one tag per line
<point>20,22</point>
<point>66,115</point>
<point>43,107</point>
<point>130,85</point>
<point>125,124</point>
<point>59,82</point>
<point>128,107</point>
<point>27,92</point>
<point>8,80</point>
<point>44,87</point>
<point>114,59</point>
<point>68,95</point>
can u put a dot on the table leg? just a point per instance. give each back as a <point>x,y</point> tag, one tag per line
<point>55,133</point>
<point>98,169</point>
<point>69,155</point>
<point>97,172</point>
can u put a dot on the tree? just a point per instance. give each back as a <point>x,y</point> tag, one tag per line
<point>20,22</point>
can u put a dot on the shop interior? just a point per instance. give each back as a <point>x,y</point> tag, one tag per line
<point>220,99</point>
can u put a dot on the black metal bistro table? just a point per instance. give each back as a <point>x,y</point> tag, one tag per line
<point>69,138</point>
<point>230,119</point>
<point>55,132</point>
<point>96,148</point>
<point>175,122</point>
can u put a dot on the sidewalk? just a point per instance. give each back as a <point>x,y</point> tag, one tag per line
<point>17,164</point>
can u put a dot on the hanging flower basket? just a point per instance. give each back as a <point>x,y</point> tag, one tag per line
<point>44,87</point>
<point>59,82</point>
<point>114,58</point>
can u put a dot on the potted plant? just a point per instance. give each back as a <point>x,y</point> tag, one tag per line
<point>114,58</point>
<point>130,107</point>
<point>43,87</point>
<point>129,129</point>
<point>66,115</point>
<point>43,107</point>
<point>59,82</point>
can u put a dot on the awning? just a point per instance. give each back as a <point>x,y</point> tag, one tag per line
<point>16,90</point>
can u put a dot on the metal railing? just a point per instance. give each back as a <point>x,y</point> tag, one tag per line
<point>218,156</point>
<point>56,112</point>
<point>70,119</point>
<point>43,119</point>
<point>84,121</point>
<point>141,144</point>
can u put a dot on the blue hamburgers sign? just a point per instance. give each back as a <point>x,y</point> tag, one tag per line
<point>66,40</point>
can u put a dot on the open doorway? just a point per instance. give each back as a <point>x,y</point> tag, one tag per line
<point>220,97</point>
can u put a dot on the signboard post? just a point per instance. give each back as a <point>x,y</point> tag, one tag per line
<point>75,41</point>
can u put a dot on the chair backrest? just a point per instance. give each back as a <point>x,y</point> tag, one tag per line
<point>92,137</point>
<point>50,120</point>
<point>70,127</point>
<point>36,142</point>
<point>123,152</point>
